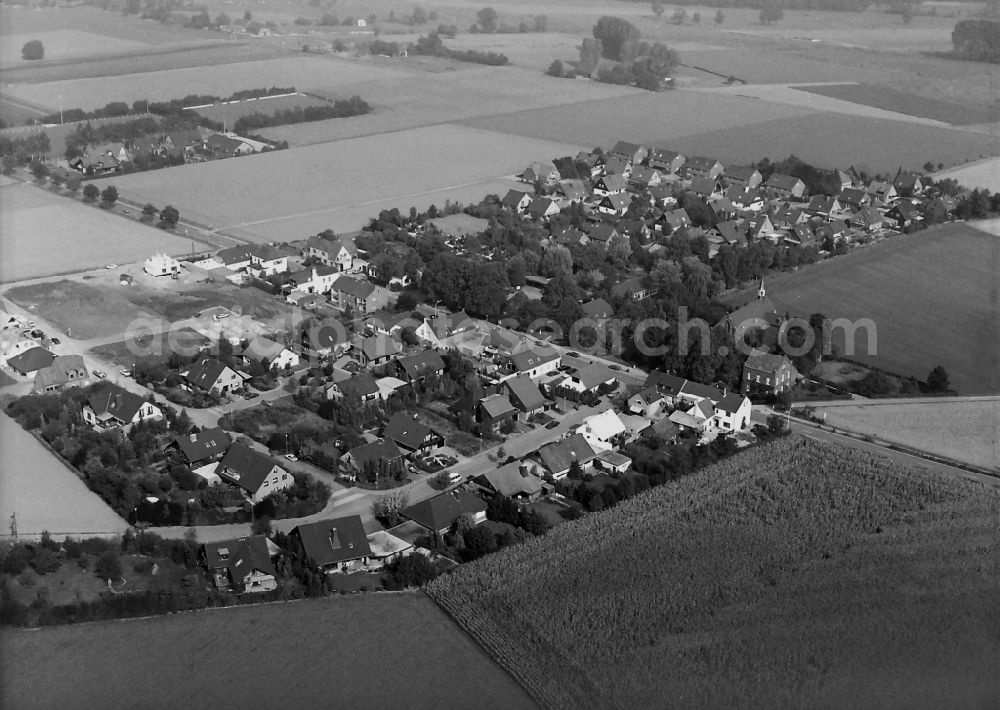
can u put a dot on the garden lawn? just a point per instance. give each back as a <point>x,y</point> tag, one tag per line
<point>385,650</point>
<point>966,431</point>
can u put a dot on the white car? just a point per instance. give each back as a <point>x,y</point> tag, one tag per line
<point>291,457</point>
<point>220,316</point>
<point>125,373</point>
<point>111,266</point>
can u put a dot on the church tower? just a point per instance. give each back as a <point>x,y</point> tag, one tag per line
<point>761,293</point>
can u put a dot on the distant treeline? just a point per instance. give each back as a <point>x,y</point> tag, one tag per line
<point>342,108</point>
<point>431,45</point>
<point>977,40</point>
<point>829,5</point>
<point>161,108</point>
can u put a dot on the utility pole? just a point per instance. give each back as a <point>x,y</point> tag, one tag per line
<point>13,525</point>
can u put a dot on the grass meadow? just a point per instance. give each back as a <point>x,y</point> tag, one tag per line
<point>47,234</point>
<point>364,651</point>
<point>963,430</point>
<point>228,113</point>
<point>892,100</point>
<point>932,296</point>
<point>798,574</point>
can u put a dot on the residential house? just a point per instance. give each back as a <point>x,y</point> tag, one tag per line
<point>647,402</point>
<point>111,407</point>
<point>414,368</point>
<point>604,233</point>
<point>786,186</point>
<point>213,375</point>
<point>662,196</point>
<point>570,237</point>
<point>339,252</point>
<point>514,481</point>
<point>609,185</point>
<point>591,160</point>
<point>381,457</point>
<point>333,545</point>
<point>161,265</point>
<point>788,215</point>
<point>908,184</point>
<point>542,208</point>
<point>328,339</point>
<point>241,565</point>
<point>388,323</point>
<point>360,387</point>
<point>374,350</point>
<point>315,279</point>
<point>643,178</point>
<point>765,374</point>
<point>730,232</point>
<point>572,191</point>
<point>183,142</point>
<point>266,260</point>
<point>254,473</point>
<point>732,413</point>
<point>442,326</point>
<point>591,379</point>
<point>616,165</point>
<point>544,173</point>
<point>697,417</point>
<point>744,176</point>
<point>667,160</point>
<point>93,161</point>
<point>388,386</point>
<point>631,289</point>
<point>494,411</point>
<point>412,437</point>
<point>612,462</point>
<point>362,296</point>
<point>854,199</point>
<point>745,198</point>
<point>882,192</point>
<point>707,187</point>
<point>759,313</point>
<point>534,362</point>
<point>824,205</point>
<point>597,309</point>
<point>664,384</point>
<point>223,146</point>
<point>386,549</point>
<point>869,219</point>
<point>674,220</point>
<point>615,205</point>
<point>703,168</point>
<point>759,226</point>
<point>722,208</point>
<point>558,456</point>
<point>64,371</point>
<point>517,201</point>
<point>904,214</point>
<point>269,354</point>
<point>439,513</point>
<point>307,301</point>
<point>602,431</point>
<point>203,447</point>
<point>632,152</point>
<point>524,394</point>
<point>235,258</point>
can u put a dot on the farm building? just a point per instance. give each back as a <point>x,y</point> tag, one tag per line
<point>161,265</point>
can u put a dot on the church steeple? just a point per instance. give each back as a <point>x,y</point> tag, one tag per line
<point>761,293</point>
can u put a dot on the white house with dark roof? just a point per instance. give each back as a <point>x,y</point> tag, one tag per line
<point>241,565</point>
<point>203,446</point>
<point>534,362</point>
<point>558,456</point>
<point>339,252</point>
<point>732,413</point>
<point>269,354</point>
<point>524,394</point>
<point>254,473</point>
<point>416,367</point>
<point>213,375</point>
<point>411,436</point>
<point>112,407</point>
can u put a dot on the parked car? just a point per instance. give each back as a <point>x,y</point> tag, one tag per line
<point>56,341</point>
<point>111,266</point>
<point>220,316</point>
<point>125,373</point>
<point>552,425</point>
<point>251,395</point>
<point>99,374</point>
<point>291,457</point>
<point>572,353</point>
<point>37,334</point>
<point>265,403</point>
<point>615,367</point>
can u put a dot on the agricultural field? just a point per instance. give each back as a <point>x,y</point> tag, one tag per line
<point>338,184</point>
<point>45,234</point>
<point>726,585</point>
<point>385,650</point>
<point>64,44</point>
<point>983,173</point>
<point>46,494</point>
<point>228,113</point>
<point>302,71</point>
<point>963,430</point>
<point>932,296</point>
<point>884,97</point>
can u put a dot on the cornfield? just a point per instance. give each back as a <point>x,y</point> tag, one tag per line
<point>796,574</point>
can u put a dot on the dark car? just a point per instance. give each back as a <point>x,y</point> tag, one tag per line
<point>552,425</point>
<point>55,341</point>
<point>615,367</point>
<point>251,395</point>
<point>573,354</point>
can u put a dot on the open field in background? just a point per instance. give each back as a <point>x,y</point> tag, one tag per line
<point>229,112</point>
<point>967,431</point>
<point>984,173</point>
<point>301,71</point>
<point>43,234</point>
<point>45,494</point>
<point>64,44</point>
<point>19,20</point>
<point>892,100</point>
<point>325,179</point>
<point>429,98</point>
<point>726,585</point>
<point>386,650</point>
<point>933,297</point>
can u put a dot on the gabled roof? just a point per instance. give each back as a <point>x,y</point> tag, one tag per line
<point>540,206</point>
<point>853,196</point>
<point>731,402</point>
<point>405,430</point>
<point>664,383</point>
<point>206,372</point>
<point>626,149</point>
<point>260,349</point>
<point>234,255</point>
<point>524,393</point>
<point>354,287</point>
<point>642,175</point>
<point>618,202</point>
<point>439,512</point>
<point>731,231</point>
<point>704,186</point>
<point>62,369</point>
<point>115,401</point>
<point>421,364</point>
<point>497,405</point>
<point>532,358</point>
<point>597,308</point>
<point>245,467</point>
<point>677,218</point>
<point>326,335</point>
<point>205,444</point>
<point>603,232</point>
<point>661,155</point>
<point>332,541</point>
<point>627,287</point>
<point>359,386</point>
<point>377,346</point>
<point>573,189</point>
<point>611,183</point>
<point>697,389</point>
<point>743,173</point>
<point>31,360</point>
<point>240,557</point>
<point>376,452</point>
<point>558,455</point>
<point>604,425</point>
<point>570,236</point>
<point>779,181</point>
<point>513,198</point>
<point>510,481</point>
<point>701,164</point>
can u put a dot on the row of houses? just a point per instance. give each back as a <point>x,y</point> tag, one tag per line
<point>194,145</point>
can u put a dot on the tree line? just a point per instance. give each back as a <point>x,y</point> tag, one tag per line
<point>977,40</point>
<point>341,108</point>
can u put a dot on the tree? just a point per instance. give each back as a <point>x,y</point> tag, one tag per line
<point>109,565</point>
<point>39,170</point>
<point>33,50</point>
<point>541,23</point>
<point>442,479</point>
<point>614,33</point>
<point>247,15</point>
<point>591,51</point>
<point>696,18</point>
<point>487,18</point>
<point>149,212</point>
<point>90,192</point>
<point>556,69</point>
<point>169,216</point>
<point>680,14</point>
<point>575,472</point>
<point>719,17</point>
<point>222,19</point>
<point>73,182</point>
<point>658,8</point>
<point>109,196</point>
<point>478,542</point>
<point>937,380</point>
<point>770,14</point>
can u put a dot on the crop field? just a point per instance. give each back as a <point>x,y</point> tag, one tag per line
<point>890,99</point>
<point>964,430</point>
<point>45,494</point>
<point>428,98</point>
<point>727,584</point>
<point>23,20</point>
<point>47,234</point>
<point>229,112</point>
<point>64,44</point>
<point>322,183</point>
<point>984,173</point>
<point>933,297</point>
<point>303,72</point>
<point>370,651</point>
